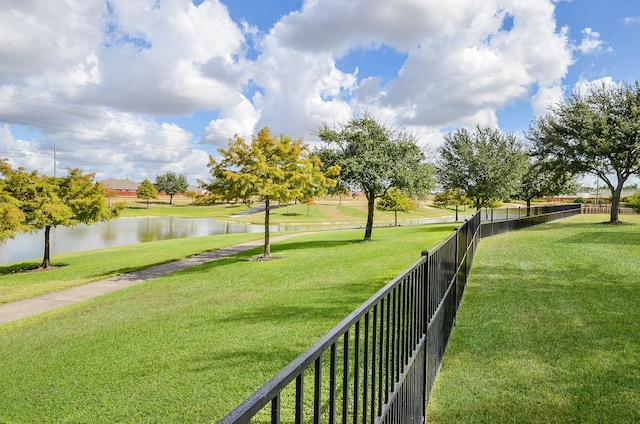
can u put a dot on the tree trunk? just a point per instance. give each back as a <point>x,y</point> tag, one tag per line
<point>395,215</point>
<point>456,212</point>
<point>615,203</point>
<point>170,198</point>
<point>147,203</point>
<point>46,260</point>
<point>528,207</point>
<point>371,201</point>
<point>267,245</point>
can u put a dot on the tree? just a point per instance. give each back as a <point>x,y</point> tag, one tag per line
<point>191,195</point>
<point>147,191</point>
<point>171,184</point>
<point>46,202</point>
<point>541,180</point>
<point>270,168</point>
<point>634,202</point>
<point>487,165</point>
<point>395,200</point>
<point>596,132</point>
<point>374,159</point>
<point>449,197</point>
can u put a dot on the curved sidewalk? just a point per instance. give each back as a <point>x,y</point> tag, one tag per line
<point>28,307</point>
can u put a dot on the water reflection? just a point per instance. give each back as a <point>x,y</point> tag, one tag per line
<point>121,231</point>
<point>28,246</point>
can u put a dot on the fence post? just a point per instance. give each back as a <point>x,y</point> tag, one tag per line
<point>425,331</point>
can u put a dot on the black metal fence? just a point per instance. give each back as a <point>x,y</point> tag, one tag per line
<point>605,209</point>
<point>380,363</point>
<point>498,221</point>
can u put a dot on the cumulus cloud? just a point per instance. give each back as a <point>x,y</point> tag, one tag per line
<point>546,97</point>
<point>107,82</point>
<point>591,42</point>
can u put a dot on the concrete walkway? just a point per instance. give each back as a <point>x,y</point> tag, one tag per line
<point>28,307</point>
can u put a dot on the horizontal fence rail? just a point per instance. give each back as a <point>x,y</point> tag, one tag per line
<point>379,364</point>
<point>606,209</point>
<point>538,215</point>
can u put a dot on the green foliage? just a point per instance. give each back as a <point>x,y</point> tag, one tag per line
<point>270,168</point>
<point>451,197</point>
<point>43,202</point>
<point>487,165</point>
<point>12,219</point>
<point>543,180</point>
<point>374,159</point>
<point>171,184</point>
<point>596,132</point>
<point>634,202</point>
<point>395,200</point>
<point>147,191</point>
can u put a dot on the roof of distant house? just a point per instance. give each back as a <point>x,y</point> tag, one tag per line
<point>120,185</point>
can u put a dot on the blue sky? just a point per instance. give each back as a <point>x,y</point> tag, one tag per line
<point>134,89</point>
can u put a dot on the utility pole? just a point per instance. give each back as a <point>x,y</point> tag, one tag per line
<point>54,161</point>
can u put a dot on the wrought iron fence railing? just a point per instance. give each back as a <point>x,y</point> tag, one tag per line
<point>380,363</point>
<point>499,222</point>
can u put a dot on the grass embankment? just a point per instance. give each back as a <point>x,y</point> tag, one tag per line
<point>549,329</point>
<point>75,269</point>
<point>323,211</point>
<point>191,346</point>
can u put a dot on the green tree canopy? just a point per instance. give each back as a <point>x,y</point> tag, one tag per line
<point>171,184</point>
<point>486,164</point>
<point>147,191</point>
<point>270,168</point>
<point>395,200</point>
<point>374,159</point>
<point>596,132</point>
<point>452,197</point>
<point>634,202</point>
<point>541,180</point>
<point>12,219</point>
<point>46,202</point>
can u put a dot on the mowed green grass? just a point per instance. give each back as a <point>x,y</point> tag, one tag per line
<point>191,346</point>
<point>75,269</point>
<point>549,329</point>
<point>323,211</point>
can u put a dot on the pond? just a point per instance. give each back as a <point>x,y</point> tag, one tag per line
<point>121,231</point>
<point>27,246</point>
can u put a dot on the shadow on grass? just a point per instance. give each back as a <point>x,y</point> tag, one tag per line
<point>312,244</point>
<point>19,267</point>
<point>603,237</point>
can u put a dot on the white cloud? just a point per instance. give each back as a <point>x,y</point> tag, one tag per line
<point>591,42</point>
<point>632,20</point>
<point>462,65</point>
<point>100,79</point>
<point>546,97</point>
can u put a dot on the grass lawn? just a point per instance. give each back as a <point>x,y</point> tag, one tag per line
<point>191,346</point>
<point>323,211</point>
<point>74,269</point>
<point>549,329</point>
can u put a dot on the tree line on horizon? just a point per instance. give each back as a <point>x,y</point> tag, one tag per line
<point>593,132</point>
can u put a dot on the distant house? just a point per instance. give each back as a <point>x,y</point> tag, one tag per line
<point>123,188</point>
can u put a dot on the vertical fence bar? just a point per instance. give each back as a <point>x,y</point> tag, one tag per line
<point>317,391</point>
<point>275,410</point>
<point>356,372</point>
<point>332,384</point>
<point>300,398</point>
<point>345,378</point>
<point>365,381</point>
